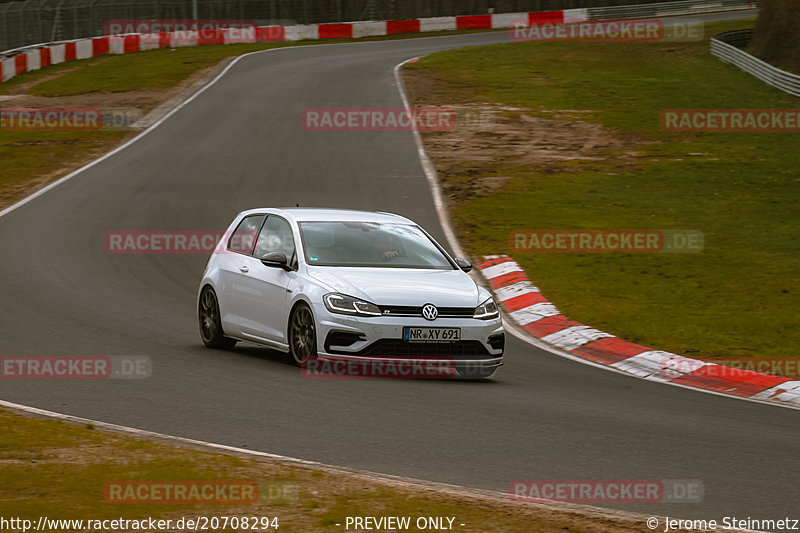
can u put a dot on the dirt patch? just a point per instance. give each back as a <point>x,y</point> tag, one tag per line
<point>23,88</point>
<point>488,137</point>
<point>144,100</point>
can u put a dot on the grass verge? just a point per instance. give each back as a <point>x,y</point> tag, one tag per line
<point>59,470</point>
<point>577,144</point>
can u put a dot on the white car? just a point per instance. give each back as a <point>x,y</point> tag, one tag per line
<point>333,284</point>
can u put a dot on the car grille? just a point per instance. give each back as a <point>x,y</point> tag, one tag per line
<point>444,312</point>
<point>422,350</point>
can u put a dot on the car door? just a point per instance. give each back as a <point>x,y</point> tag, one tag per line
<point>265,291</point>
<point>235,266</point>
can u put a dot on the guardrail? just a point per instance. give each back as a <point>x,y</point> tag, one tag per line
<point>666,9</point>
<point>23,23</point>
<point>25,59</point>
<point>728,47</point>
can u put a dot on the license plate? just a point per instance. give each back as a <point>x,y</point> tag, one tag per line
<point>431,334</point>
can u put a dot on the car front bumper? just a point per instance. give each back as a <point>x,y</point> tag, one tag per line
<point>380,339</point>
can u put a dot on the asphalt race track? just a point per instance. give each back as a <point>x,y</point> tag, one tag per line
<point>240,145</point>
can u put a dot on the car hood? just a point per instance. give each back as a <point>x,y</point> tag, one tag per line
<point>402,286</point>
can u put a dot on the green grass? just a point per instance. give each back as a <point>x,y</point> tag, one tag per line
<point>59,470</point>
<point>154,69</point>
<point>741,295</point>
<point>26,155</point>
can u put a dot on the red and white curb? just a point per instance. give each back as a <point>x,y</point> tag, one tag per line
<point>533,313</point>
<point>36,57</point>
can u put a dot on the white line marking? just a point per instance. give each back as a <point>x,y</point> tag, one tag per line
<point>458,490</point>
<point>430,170</point>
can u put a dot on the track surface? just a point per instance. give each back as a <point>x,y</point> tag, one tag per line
<point>240,145</point>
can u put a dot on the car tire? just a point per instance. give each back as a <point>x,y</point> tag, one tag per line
<point>211,322</point>
<point>302,335</point>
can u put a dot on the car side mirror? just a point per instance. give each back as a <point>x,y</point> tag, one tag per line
<point>276,260</point>
<point>463,264</point>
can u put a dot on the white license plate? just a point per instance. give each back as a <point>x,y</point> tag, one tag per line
<point>431,334</point>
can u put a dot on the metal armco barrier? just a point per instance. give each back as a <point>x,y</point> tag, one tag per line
<point>728,47</point>
<point>665,9</point>
<point>29,22</point>
<point>141,37</point>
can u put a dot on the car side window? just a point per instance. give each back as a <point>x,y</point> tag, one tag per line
<point>244,237</point>
<point>276,236</point>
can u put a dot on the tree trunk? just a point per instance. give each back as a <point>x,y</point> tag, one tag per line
<point>777,35</point>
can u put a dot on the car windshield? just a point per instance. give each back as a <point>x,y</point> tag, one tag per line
<point>369,244</point>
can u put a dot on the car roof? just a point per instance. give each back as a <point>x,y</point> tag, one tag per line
<point>307,214</point>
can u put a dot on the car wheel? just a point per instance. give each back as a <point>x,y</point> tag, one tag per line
<point>469,371</point>
<point>211,323</point>
<point>302,335</point>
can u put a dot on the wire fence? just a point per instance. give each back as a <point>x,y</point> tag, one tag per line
<point>729,48</point>
<point>41,21</point>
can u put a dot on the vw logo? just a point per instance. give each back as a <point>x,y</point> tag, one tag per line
<point>430,312</point>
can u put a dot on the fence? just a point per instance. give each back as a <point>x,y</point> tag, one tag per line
<point>42,21</point>
<point>729,48</point>
<point>666,9</point>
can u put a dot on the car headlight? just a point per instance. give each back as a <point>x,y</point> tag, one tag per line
<point>486,310</point>
<point>347,305</point>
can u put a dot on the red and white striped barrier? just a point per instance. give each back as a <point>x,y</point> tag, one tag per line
<point>536,315</point>
<point>53,54</point>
